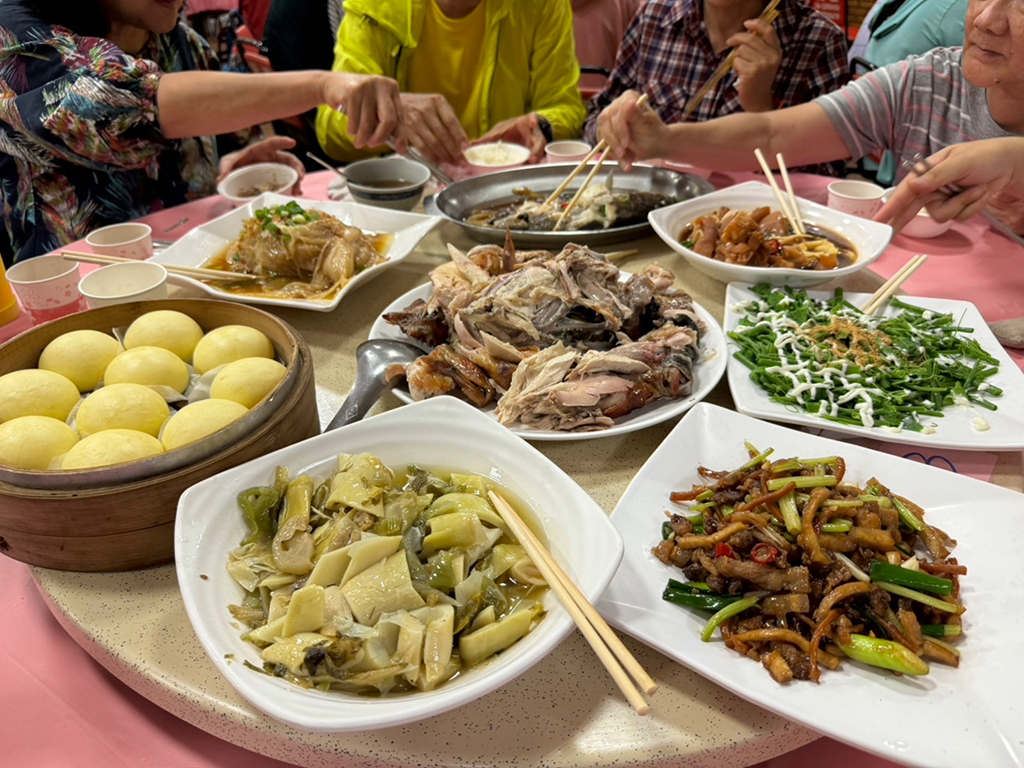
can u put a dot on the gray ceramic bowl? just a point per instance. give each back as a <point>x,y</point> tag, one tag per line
<point>388,182</point>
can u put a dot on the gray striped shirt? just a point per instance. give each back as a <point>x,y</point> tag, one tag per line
<point>919,105</point>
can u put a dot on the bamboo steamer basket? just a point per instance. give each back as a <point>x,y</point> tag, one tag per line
<point>122,517</point>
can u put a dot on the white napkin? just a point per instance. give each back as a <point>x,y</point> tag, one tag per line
<point>338,189</point>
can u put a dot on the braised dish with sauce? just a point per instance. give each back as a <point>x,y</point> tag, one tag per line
<point>374,581</point>
<point>763,238</point>
<point>291,253</point>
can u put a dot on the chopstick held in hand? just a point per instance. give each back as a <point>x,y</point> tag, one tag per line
<point>605,643</point>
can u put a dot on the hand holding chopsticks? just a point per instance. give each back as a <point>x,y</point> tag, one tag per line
<point>602,146</point>
<point>888,289</point>
<point>768,15</point>
<point>605,643</point>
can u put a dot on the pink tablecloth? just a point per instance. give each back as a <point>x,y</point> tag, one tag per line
<point>60,708</point>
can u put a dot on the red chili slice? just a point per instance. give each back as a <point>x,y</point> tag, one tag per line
<point>762,553</point>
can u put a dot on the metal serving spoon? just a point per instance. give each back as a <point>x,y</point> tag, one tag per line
<point>380,365</point>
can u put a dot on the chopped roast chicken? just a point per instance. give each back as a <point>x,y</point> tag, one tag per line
<point>558,340</point>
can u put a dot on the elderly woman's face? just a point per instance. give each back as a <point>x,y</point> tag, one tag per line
<point>159,16</point>
<point>994,42</point>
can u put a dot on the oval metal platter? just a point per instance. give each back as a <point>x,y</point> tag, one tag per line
<point>456,201</point>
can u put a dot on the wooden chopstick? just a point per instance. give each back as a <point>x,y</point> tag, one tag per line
<point>575,172</point>
<point>602,146</point>
<point>783,203</point>
<point>789,191</point>
<point>579,192</point>
<point>196,273</point>
<point>769,14</point>
<point>605,643</point>
<point>888,289</point>
<point>617,255</point>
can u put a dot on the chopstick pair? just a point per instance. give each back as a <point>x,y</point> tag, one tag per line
<point>788,205</point>
<point>769,14</point>
<point>602,146</point>
<point>196,273</point>
<point>888,289</point>
<point>613,654</point>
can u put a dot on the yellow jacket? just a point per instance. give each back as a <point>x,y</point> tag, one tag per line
<point>529,63</point>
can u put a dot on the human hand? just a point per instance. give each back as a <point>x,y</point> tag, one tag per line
<point>633,132</point>
<point>986,174</point>
<point>758,55</point>
<point>524,130</point>
<point>432,127</point>
<point>372,104</point>
<point>270,150</point>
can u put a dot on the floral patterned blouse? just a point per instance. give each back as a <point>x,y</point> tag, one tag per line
<point>80,142</point>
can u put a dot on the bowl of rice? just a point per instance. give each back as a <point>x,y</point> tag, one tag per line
<point>496,156</point>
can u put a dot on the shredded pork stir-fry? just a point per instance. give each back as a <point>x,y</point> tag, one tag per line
<point>801,569</point>
<point>763,238</point>
<point>374,582</point>
<point>557,341</point>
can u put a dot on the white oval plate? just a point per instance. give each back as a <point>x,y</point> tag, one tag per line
<point>706,374</point>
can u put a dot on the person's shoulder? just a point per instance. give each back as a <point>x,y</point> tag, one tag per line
<point>809,21</point>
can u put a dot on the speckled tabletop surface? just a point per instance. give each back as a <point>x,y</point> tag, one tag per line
<point>563,712</point>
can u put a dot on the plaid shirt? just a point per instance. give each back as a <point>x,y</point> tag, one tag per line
<point>667,54</point>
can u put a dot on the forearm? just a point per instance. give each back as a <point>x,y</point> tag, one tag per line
<point>803,134</point>
<point>210,103</point>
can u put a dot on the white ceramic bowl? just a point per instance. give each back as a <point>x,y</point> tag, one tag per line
<point>868,237</point>
<point>387,182</point>
<point>922,226</point>
<point>568,151</point>
<point>444,433</point>
<point>496,156</point>
<point>122,283</point>
<point>251,181</point>
<point>130,240</point>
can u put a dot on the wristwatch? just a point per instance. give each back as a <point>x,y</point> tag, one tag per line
<point>545,127</point>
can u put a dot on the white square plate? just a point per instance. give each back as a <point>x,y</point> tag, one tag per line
<point>970,716</point>
<point>207,240</point>
<point>953,430</point>
<point>868,237</point>
<point>442,433</point>
<point>707,372</point>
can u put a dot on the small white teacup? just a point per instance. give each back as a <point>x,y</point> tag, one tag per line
<point>131,240</point>
<point>858,198</point>
<point>123,283</point>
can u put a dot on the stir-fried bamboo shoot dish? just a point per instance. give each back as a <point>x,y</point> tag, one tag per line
<point>374,581</point>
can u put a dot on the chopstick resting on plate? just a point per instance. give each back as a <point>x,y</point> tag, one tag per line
<point>791,217</point>
<point>606,644</point>
<point>196,273</point>
<point>888,289</point>
<point>768,15</point>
